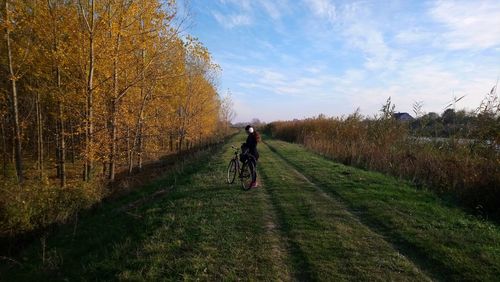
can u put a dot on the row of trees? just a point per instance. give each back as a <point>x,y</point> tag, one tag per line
<point>459,124</point>
<point>483,123</point>
<point>103,83</point>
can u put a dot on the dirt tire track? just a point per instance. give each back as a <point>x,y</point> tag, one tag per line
<point>340,202</point>
<point>279,241</point>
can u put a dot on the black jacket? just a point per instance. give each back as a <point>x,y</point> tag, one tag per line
<point>251,144</point>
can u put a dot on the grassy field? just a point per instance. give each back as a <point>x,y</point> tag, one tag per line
<point>442,240</point>
<point>311,219</point>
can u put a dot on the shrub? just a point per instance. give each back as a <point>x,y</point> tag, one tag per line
<point>37,204</point>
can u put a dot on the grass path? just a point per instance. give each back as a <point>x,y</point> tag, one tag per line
<point>326,241</point>
<point>311,219</point>
<point>436,235</point>
<point>201,228</point>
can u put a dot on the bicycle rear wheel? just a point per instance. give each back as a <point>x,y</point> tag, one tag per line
<point>231,172</point>
<point>246,175</point>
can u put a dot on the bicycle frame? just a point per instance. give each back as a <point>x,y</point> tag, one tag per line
<point>237,160</point>
<point>245,169</point>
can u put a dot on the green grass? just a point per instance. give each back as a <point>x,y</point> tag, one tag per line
<point>438,236</point>
<point>326,241</point>
<point>311,219</point>
<point>201,229</point>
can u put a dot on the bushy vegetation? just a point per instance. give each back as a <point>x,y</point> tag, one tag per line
<point>39,205</point>
<point>466,164</point>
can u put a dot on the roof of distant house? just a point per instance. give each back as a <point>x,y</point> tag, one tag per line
<point>403,116</point>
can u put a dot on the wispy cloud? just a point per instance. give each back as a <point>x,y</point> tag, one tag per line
<point>331,56</point>
<point>413,35</point>
<point>282,81</point>
<point>469,24</point>
<point>371,41</point>
<point>272,8</point>
<point>233,20</point>
<point>360,30</point>
<point>244,12</point>
<point>242,5</point>
<point>323,9</point>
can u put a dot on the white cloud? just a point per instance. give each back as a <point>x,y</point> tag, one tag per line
<point>271,9</point>
<point>372,43</point>
<point>294,82</point>
<point>314,69</point>
<point>469,24</point>
<point>272,77</point>
<point>361,31</point>
<point>334,58</point>
<point>355,27</point>
<point>429,79</point>
<point>244,12</point>
<point>323,8</point>
<point>230,21</point>
<point>243,5</point>
<point>413,35</point>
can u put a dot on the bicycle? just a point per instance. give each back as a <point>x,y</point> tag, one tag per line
<point>245,171</point>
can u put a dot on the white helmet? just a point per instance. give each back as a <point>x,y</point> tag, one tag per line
<point>249,128</point>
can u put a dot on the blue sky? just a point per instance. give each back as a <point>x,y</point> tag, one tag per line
<point>285,59</point>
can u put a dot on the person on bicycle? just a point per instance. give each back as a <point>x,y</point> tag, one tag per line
<point>251,144</point>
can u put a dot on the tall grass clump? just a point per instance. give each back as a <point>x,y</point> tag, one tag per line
<point>453,158</point>
<point>36,205</point>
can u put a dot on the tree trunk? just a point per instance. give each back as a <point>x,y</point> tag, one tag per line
<point>171,142</point>
<point>114,109</point>
<point>57,149</point>
<point>72,141</point>
<point>62,148</point>
<point>140,144</point>
<point>13,147</point>
<point>61,145</point>
<point>4,151</point>
<point>144,96</point>
<point>140,156</point>
<point>39,134</point>
<point>89,132</point>
<point>113,133</point>
<point>181,140</point>
<point>129,153</point>
<point>14,103</point>
<point>140,130</point>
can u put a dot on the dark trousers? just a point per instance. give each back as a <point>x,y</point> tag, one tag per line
<point>254,169</point>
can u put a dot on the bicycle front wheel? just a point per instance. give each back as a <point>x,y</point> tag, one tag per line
<point>246,175</point>
<point>231,172</point>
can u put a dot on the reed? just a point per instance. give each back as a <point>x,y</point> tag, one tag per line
<point>465,165</point>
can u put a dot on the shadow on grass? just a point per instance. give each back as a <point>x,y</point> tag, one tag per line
<point>302,269</point>
<point>433,267</point>
<point>82,249</point>
<point>126,183</point>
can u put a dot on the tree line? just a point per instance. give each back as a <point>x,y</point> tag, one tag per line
<point>456,124</point>
<point>106,84</point>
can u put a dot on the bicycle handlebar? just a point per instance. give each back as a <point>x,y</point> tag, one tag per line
<point>237,149</point>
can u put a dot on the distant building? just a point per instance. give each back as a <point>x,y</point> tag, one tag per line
<point>403,117</point>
